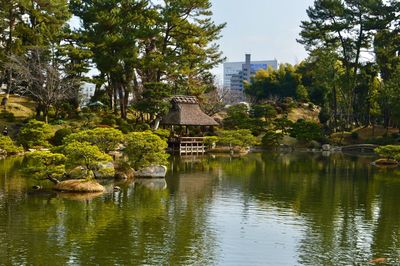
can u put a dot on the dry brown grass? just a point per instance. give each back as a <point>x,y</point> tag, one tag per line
<point>365,133</point>
<point>20,106</point>
<point>303,113</point>
<point>78,185</point>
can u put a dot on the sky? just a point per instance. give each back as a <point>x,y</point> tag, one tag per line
<point>267,29</point>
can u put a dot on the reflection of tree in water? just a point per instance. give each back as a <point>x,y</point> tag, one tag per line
<point>336,197</point>
<point>348,213</point>
<point>133,226</point>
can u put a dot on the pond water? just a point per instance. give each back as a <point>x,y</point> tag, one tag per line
<point>260,209</point>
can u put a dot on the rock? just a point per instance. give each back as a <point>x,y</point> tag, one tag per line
<point>124,173</point>
<point>326,147</point>
<point>121,176</point>
<point>154,183</point>
<point>79,185</point>
<point>154,171</point>
<point>287,140</point>
<point>78,172</point>
<point>284,148</point>
<point>104,170</point>
<point>314,144</point>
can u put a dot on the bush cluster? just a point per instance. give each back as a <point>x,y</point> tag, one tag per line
<point>389,152</point>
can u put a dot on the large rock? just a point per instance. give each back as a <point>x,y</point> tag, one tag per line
<point>104,170</point>
<point>124,172</point>
<point>78,172</point>
<point>326,147</point>
<point>153,171</point>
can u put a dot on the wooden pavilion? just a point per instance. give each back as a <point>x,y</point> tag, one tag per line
<point>188,123</point>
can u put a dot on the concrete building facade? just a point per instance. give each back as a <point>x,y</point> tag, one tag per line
<point>237,72</point>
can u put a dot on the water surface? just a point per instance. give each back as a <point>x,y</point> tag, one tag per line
<point>261,209</point>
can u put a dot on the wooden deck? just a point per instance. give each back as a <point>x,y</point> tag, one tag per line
<point>187,145</point>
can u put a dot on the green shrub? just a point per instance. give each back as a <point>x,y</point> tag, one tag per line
<point>239,138</point>
<point>162,133</point>
<point>124,125</point>
<point>389,152</point>
<point>8,116</point>
<point>58,122</point>
<point>87,155</point>
<point>35,134</point>
<point>238,117</point>
<point>144,149</point>
<point>141,127</point>
<point>109,120</point>
<point>271,139</point>
<point>306,131</point>
<point>354,135</point>
<point>265,111</point>
<point>107,139</point>
<point>324,115</point>
<point>8,145</point>
<point>45,165</point>
<point>88,118</point>
<point>59,136</point>
<point>210,141</point>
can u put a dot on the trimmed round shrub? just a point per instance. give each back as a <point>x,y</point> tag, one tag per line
<point>59,136</point>
<point>271,139</point>
<point>35,134</point>
<point>144,149</point>
<point>8,145</point>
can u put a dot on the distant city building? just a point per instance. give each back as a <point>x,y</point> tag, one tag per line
<point>237,72</point>
<point>86,92</point>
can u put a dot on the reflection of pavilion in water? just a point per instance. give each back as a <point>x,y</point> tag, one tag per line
<point>191,175</point>
<point>188,125</point>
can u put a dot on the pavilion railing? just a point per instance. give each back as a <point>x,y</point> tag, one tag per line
<point>188,145</point>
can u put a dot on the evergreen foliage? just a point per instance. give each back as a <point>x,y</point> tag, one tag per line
<point>389,152</point>
<point>85,154</point>
<point>145,149</point>
<point>35,134</point>
<point>306,131</point>
<point>106,139</point>
<point>239,138</point>
<point>45,165</point>
<point>8,145</point>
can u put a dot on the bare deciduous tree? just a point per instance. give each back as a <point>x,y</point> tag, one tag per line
<point>40,80</point>
<point>215,101</point>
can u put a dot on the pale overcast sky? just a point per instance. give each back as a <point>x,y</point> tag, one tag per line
<point>266,29</point>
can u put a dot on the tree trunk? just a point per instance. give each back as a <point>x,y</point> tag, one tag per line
<point>53,179</point>
<point>115,99</point>
<point>126,100</point>
<point>122,106</point>
<point>334,109</point>
<point>38,111</point>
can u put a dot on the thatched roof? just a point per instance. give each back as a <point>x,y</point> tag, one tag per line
<point>186,111</point>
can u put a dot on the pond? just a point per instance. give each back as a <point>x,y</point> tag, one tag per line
<point>260,209</point>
